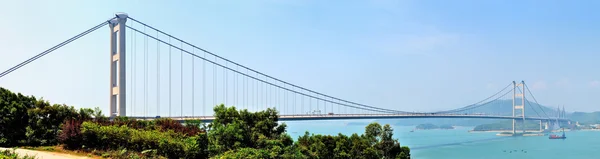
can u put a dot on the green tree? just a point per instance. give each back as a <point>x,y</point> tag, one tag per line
<point>14,117</point>
<point>373,132</point>
<point>233,130</point>
<point>376,142</point>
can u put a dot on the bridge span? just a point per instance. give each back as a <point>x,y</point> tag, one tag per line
<point>367,116</point>
<point>147,82</point>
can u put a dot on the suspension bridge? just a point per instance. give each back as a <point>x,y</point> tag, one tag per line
<point>155,74</point>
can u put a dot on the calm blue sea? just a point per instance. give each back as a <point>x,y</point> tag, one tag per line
<point>460,144</point>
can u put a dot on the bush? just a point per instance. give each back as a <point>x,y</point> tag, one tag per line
<point>45,122</point>
<point>245,153</point>
<point>10,154</point>
<point>25,120</point>
<point>13,117</point>
<point>376,142</point>
<point>168,144</point>
<point>70,135</point>
<point>167,124</point>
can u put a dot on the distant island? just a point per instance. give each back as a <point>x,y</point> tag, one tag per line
<point>506,125</point>
<point>430,126</point>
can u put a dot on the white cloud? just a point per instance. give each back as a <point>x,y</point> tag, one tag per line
<point>595,83</point>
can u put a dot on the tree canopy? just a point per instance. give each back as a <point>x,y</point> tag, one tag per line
<point>27,121</point>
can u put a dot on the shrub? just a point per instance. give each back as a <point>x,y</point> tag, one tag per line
<point>10,154</point>
<point>70,135</point>
<point>132,123</point>
<point>168,144</point>
<point>13,117</point>
<point>166,124</point>
<point>245,153</point>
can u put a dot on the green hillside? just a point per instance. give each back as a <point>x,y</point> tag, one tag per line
<point>507,125</point>
<point>504,107</point>
<point>499,107</point>
<point>585,118</point>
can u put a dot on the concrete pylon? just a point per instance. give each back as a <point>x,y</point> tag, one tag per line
<point>518,106</point>
<point>118,78</point>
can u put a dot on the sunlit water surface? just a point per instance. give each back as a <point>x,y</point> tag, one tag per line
<point>459,143</point>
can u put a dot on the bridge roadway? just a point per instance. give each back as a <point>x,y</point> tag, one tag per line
<point>304,117</point>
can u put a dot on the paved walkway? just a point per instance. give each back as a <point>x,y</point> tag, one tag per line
<point>45,155</point>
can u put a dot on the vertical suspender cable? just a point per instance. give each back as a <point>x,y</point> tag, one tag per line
<point>204,86</point>
<point>294,108</point>
<point>193,84</point>
<point>181,83</point>
<point>310,105</point>
<point>277,104</point>
<point>236,88</point>
<point>257,96</point>
<point>266,94</point>
<point>134,76</point>
<point>145,74</point>
<point>157,76</point>
<point>214,83</point>
<point>224,86</point>
<point>170,82</point>
<point>132,73</point>
<point>285,99</point>
<point>301,104</point>
<point>244,95</point>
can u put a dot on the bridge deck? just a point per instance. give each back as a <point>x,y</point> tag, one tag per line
<point>362,116</point>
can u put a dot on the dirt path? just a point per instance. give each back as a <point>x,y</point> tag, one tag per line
<point>45,155</point>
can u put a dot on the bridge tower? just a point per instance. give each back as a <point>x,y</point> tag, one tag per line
<point>518,105</point>
<point>117,65</point>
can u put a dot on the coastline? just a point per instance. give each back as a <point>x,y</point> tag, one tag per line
<point>435,129</point>
<point>476,131</point>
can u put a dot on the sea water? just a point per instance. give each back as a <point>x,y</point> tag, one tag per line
<point>461,144</point>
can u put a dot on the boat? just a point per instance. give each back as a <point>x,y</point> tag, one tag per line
<point>556,126</point>
<point>558,137</point>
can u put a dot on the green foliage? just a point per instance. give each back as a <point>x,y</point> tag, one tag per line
<point>45,121</point>
<point>170,124</point>
<point>10,154</point>
<point>70,135</point>
<point>234,129</point>
<point>14,117</point>
<point>25,120</point>
<point>242,153</point>
<point>168,144</point>
<point>377,142</point>
<point>126,154</point>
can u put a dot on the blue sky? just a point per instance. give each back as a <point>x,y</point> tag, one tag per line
<point>405,55</point>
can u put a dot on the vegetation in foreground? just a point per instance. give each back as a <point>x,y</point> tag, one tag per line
<point>27,121</point>
<point>10,154</point>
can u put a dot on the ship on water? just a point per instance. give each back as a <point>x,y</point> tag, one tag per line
<point>558,137</point>
<point>556,127</point>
